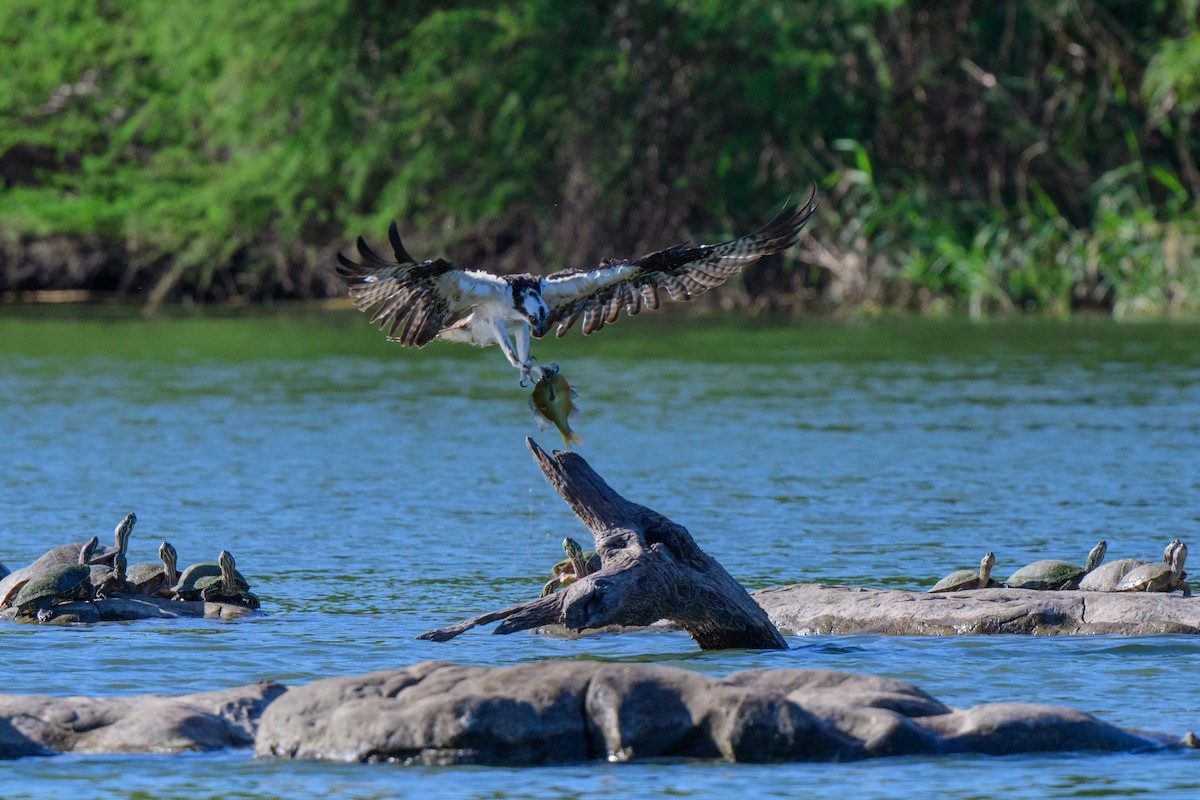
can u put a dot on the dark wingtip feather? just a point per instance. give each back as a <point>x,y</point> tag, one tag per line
<point>348,268</point>
<point>780,234</point>
<point>402,255</point>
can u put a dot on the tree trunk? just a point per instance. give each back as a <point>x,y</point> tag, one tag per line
<point>651,570</point>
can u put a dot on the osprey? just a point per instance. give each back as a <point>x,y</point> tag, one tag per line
<point>430,300</point>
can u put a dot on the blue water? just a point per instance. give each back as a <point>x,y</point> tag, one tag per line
<point>371,493</point>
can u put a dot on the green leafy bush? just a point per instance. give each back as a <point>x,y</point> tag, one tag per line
<point>985,157</point>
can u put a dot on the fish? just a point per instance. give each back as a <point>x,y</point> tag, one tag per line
<point>553,401</point>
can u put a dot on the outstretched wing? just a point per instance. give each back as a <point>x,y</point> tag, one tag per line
<point>425,297</point>
<point>599,295</point>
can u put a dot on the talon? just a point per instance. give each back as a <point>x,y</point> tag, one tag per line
<point>527,371</point>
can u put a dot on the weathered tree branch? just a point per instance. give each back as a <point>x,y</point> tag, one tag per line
<point>651,570</point>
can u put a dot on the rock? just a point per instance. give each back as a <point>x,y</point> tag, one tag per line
<point>818,609</point>
<point>131,607</point>
<point>556,712</point>
<point>45,725</point>
<point>441,713</point>
<point>435,712</point>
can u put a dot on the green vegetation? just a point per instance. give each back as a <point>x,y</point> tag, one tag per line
<point>988,157</point>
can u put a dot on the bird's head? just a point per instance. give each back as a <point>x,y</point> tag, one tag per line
<point>528,300</point>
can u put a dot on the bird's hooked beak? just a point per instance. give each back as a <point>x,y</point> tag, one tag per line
<point>539,322</point>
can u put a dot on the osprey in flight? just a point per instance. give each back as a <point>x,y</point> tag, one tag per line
<point>430,300</point>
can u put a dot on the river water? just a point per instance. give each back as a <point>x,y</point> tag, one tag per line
<point>370,493</point>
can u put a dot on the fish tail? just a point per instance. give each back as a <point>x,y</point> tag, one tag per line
<point>570,437</point>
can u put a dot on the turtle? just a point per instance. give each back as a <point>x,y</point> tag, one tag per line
<point>65,554</point>
<point>215,583</point>
<point>58,583</point>
<point>1107,576</point>
<point>965,579</point>
<point>1159,577</point>
<point>155,578</point>
<point>576,565</point>
<point>107,581</point>
<point>12,584</point>
<point>1053,574</point>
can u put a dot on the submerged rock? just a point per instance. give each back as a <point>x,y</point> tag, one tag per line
<point>819,609</point>
<point>441,713</point>
<point>46,725</point>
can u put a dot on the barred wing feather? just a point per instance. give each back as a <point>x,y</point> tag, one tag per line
<point>599,295</point>
<point>423,297</point>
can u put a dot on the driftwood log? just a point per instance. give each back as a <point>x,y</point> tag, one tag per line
<point>651,570</point>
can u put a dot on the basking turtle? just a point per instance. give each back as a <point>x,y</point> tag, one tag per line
<point>65,554</point>
<point>13,583</point>
<point>576,565</point>
<point>58,583</point>
<point>1107,577</point>
<point>155,578</point>
<point>107,581</point>
<point>1052,574</point>
<point>1159,577</point>
<point>215,583</point>
<point>965,579</point>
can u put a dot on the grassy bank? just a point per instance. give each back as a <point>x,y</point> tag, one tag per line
<point>978,157</point>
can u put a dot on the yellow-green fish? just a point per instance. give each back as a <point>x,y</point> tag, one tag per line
<point>552,401</point>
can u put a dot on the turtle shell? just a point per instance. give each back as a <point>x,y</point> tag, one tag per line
<point>190,581</point>
<point>1107,577</point>
<point>1048,573</point>
<point>212,593</point>
<point>11,583</point>
<point>144,571</point>
<point>63,554</point>
<point>1146,578</point>
<point>149,578</point>
<point>961,580</point>
<point>59,582</point>
<point>1159,577</point>
<point>69,554</point>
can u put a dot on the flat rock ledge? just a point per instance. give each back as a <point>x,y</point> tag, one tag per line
<point>818,609</point>
<point>557,712</point>
<point>125,608</point>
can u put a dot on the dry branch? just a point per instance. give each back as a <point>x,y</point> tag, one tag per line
<point>652,570</point>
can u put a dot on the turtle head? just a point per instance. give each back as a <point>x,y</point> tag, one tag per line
<point>169,558</point>
<point>1170,551</point>
<point>226,563</point>
<point>1177,558</point>
<point>89,547</point>
<point>1096,556</point>
<point>985,567</point>
<point>121,534</point>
